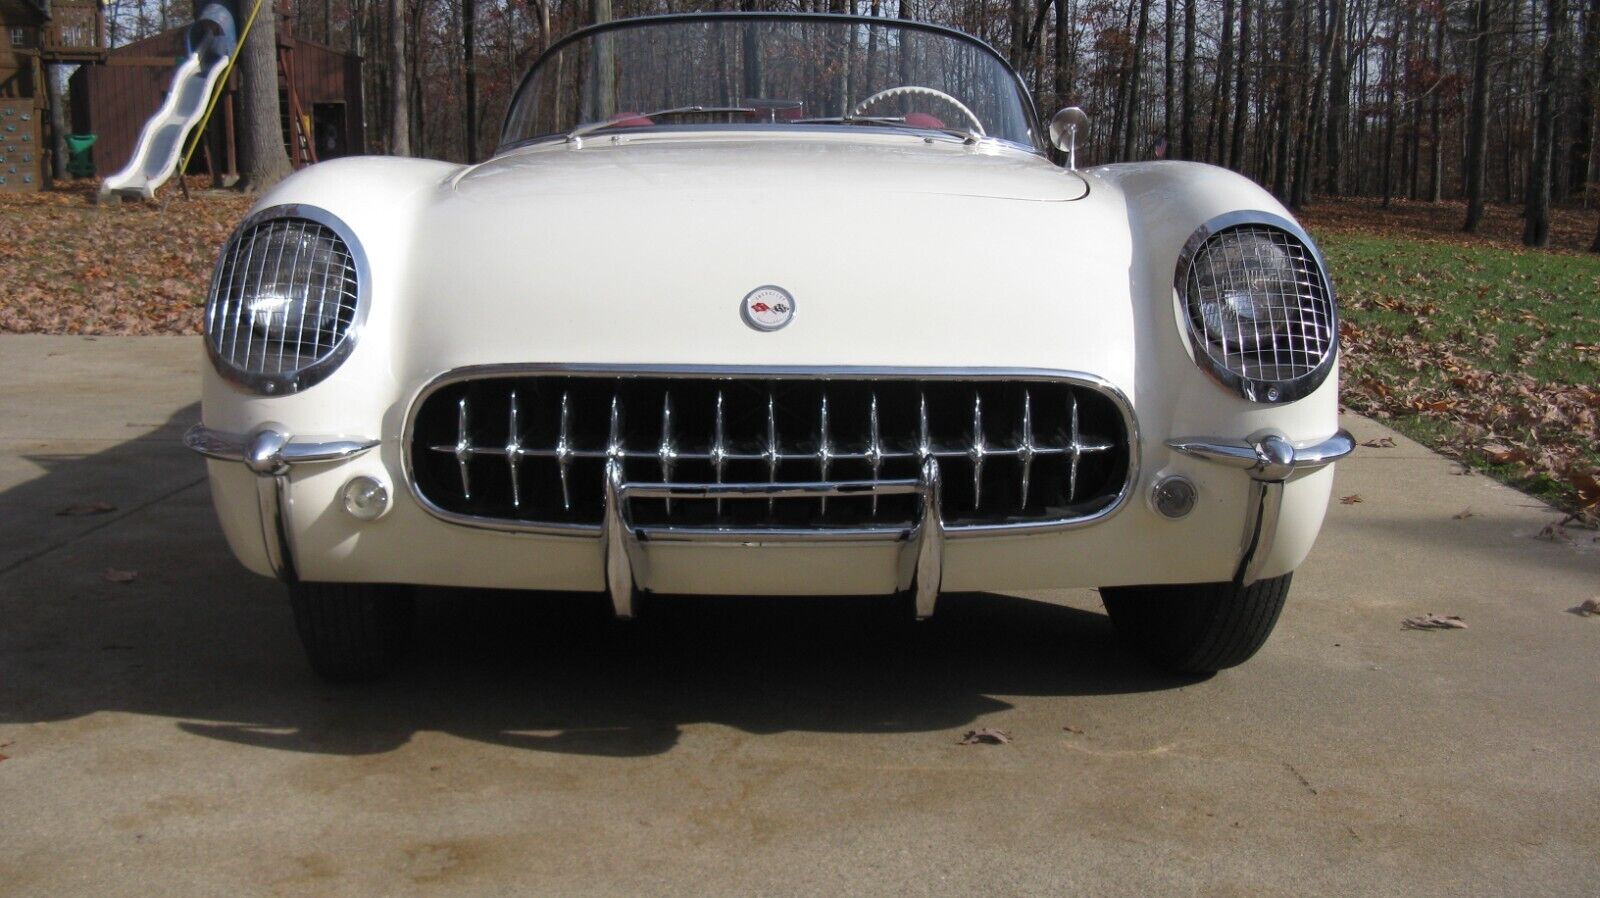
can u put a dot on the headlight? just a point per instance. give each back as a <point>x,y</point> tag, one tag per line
<point>286,299</point>
<point>1259,307</point>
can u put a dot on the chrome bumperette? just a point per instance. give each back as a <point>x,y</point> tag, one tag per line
<point>1256,389</point>
<point>719,454</point>
<point>1270,460</point>
<point>270,453</point>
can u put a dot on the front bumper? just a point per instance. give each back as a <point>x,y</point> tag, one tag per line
<point>278,497</point>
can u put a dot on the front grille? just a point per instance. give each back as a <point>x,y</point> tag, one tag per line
<point>532,450</point>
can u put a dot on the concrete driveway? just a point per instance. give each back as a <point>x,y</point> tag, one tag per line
<point>164,737</point>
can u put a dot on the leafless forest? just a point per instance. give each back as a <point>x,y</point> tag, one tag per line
<point>1429,99</point>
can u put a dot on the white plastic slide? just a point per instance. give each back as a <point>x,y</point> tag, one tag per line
<point>160,144</point>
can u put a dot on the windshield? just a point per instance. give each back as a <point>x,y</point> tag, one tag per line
<point>769,72</point>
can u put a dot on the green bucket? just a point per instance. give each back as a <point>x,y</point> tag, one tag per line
<point>79,162</point>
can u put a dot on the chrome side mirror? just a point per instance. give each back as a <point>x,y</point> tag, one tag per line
<point>1065,126</point>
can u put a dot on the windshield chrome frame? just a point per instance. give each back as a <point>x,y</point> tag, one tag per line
<point>1029,108</point>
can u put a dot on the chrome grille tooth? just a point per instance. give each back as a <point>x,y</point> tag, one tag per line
<point>874,446</point>
<point>977,451</point>
<point>772,454</point>
<point>614,440</point>
<point>514,452</point>
<point>1027,449</point>
<point>924,438</point>
<point>564,449</point>
<point>463,448</point>
<point>719,448</point>
<point>824,449</point>
<point>667,450</point>
<point>1076,447</point>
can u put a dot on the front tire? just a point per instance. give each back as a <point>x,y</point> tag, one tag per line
<point>1200,627</point>
<point>353,631</point>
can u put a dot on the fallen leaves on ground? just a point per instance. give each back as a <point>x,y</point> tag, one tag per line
<point>90,508</point>
<point>1587,607</point>
<point>1464,514</point>
<point>986,736</point>
<point>1474,394</point>
<point>1555,533</point>
<point>1352,499</point>
<point>1073,730</point>
<point>68,266</point>
<point>1432,621</point>
<point>114,575</point>
<point>1380,443</point>
<point>1571,229</point>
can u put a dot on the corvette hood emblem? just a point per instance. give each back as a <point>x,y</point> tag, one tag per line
<point>767,308</point>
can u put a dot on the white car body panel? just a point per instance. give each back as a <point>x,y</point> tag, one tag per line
<point>899,251</point>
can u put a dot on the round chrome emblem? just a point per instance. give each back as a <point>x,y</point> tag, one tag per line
<point>767,308</point>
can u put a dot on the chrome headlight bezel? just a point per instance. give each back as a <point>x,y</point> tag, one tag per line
<point>1206,355</point>
<point>282,382</point>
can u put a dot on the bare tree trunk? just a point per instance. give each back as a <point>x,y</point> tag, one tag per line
<point>1392,107</point>
<point>1016,26</point>
<point>1166,68</point>
<point>469,48</point>
<point>1217,130</point>
<point>1241,91</point>
<point>1120,100</point>
<point>1131,118</point>
<point>1536,228</point>
<point>1478,119</point>
<point>58,121</point>
<point>1064,75</point>
<point>605,63</point>
<point>419,111</point>
<point>1187,149</point>
<point>399,83</point>
<point>262,160</point>
<point>1338,100</point>
<point>1588,84</point>
<point>1312,103</point>
<point>1280,176</point>
<point>1435,170</point>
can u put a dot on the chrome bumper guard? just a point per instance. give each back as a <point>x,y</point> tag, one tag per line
<point>1270,461</point>
<point>270,453</point>
<point>923,563</point>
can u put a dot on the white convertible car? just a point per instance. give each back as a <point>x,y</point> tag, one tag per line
<point>759,304</point>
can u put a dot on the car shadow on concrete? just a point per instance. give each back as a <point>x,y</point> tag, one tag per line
<point>198,639</point>
<point>551,673</point>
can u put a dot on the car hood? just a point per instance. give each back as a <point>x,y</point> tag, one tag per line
<point>936,255</point>
<point>884,164</point>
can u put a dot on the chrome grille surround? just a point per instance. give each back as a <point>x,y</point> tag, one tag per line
<point>1293,353</point>
<point>861,463</point>
<point>325,273</point>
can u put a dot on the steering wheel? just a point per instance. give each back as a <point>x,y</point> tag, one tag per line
<point>904,90</point>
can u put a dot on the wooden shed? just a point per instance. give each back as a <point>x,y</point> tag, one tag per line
<point>35,34</point>
<point>114,100</point>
